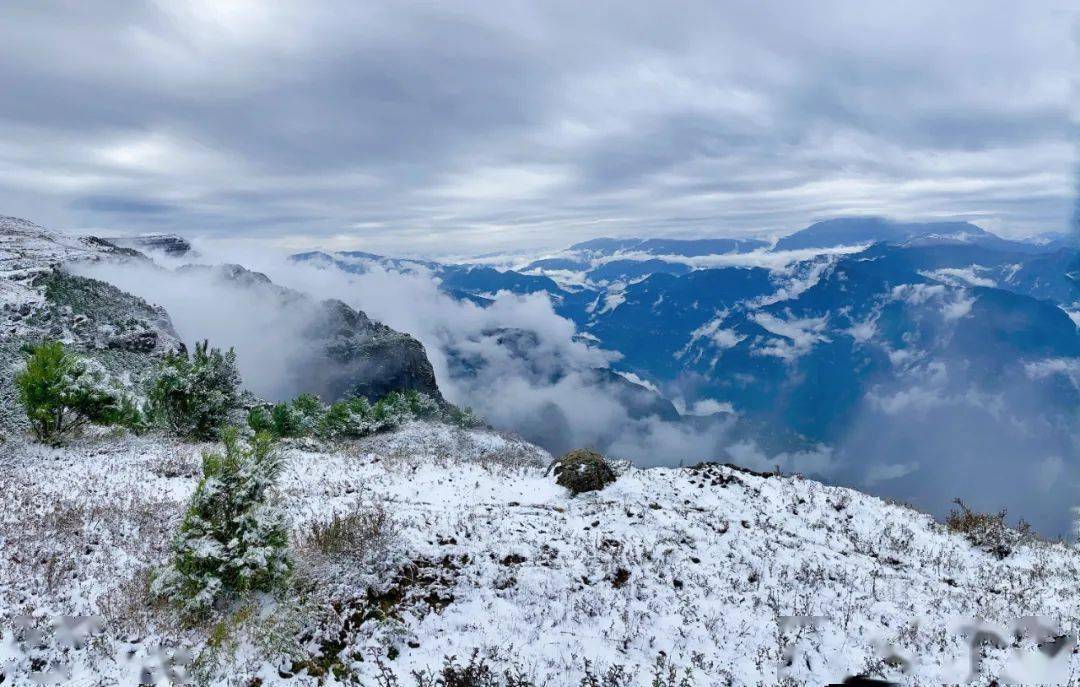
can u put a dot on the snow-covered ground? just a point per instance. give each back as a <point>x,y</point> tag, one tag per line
<point>735,577</point>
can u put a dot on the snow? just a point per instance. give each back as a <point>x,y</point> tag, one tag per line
<point>615,296</point>
<point>708,566</point>
<point>713,332</point>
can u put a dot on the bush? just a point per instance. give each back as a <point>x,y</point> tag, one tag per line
<point>462,417</point>
<point>232,538</point>
<point>391,410</point>
<point>359,534</point>
<point>350,419</point>
<point>286,421</point>
<point>987,531</point>
<point>309,411</point>
<point>583,470</point>
<point>61,392</point>
<point>353,418</point>
<point>194,396</point>
<point>260,420</point>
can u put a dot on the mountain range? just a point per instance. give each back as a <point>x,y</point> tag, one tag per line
<point>844,331</point>
<point>796,340</point>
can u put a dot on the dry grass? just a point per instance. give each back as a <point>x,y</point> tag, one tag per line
<point>361,534</point>
<point>988,531</point>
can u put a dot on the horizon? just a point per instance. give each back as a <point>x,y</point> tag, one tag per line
<point>336,244</point>
<point>345,244</point>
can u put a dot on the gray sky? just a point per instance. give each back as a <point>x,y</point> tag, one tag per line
<point>468,127</point>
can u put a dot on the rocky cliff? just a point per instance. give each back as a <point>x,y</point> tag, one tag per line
<point>340,352</point>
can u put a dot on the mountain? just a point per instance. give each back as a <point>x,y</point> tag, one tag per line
<point>359,262</point>
<point>166,244</point>
<point>682,247</point>
<point>40,299</point>
<point>47,290</point>
<point>449,554</point>
<point>801,344</point>
<point>342,351</point>
<point>809,359</point>
<point>848,231</point>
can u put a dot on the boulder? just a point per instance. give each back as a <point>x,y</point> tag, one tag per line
<point>583,470</point>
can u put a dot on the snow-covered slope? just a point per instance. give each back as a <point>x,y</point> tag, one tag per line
<point>28,251</point>
<point>699,569</point>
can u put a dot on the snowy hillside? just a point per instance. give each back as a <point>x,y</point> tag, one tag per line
<point>695,570</point>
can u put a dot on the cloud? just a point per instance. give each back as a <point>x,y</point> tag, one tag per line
<point>799,335</point>
<point>516,362</point>
<point>937,433</point>
<point>467,127</point>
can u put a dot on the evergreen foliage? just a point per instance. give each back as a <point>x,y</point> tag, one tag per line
<point>61,392</point>
<point>233,539</point>
<point>307,416</point>
<point>194,395</point>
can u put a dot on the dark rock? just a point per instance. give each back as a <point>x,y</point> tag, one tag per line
<point>169,244</point>
<point>143,341</point>
<point>583,470</point>
<point>350,354</point>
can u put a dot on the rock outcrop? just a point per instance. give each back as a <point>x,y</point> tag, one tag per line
<point>39,300</point>
<point>345,353</point>
<point>339,351</point>
<point>167,244</point>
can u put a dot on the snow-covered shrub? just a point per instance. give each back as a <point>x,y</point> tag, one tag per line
<point>61,392</point>
<point>233,539</point>
<point>466,418</point>
<point>477,672</point>
<point>286,421</point>
<point>583,470</point>
<point>194,395</point>
<point>392,410</point>
<point>309,411</point>
<point>260,419</point>
<point>421,405</point>
<point>351,419</point>
<point>354,418</point>
<point>987,531</point>
<point>358,535</point>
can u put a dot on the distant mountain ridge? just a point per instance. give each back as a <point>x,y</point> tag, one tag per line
<point>811,345</point>
<point>686,247</point>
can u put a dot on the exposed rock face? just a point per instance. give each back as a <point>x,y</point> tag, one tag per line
<point>369,358</point>
<point>168,244</point>
<point>348,354</point>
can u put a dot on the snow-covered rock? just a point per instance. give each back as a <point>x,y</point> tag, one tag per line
<point>729,576</point>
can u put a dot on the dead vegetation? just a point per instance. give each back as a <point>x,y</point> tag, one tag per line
<point>987,531</point>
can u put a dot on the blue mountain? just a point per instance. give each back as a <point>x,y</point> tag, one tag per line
<point>799,350</point>
<point>683,247</point>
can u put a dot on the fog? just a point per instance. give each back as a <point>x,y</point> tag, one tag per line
<point>516,362</point>
<point>267,336</point>
<point>928,441</point>
<point>924,438</point>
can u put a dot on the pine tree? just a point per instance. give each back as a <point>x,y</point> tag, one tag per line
<point>61,392</point>
<point>193,396</point>
<point>233,539</point>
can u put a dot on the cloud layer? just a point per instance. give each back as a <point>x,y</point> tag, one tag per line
<point>472,126</point>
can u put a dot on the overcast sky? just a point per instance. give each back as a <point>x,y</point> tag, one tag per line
<point>468,127</point>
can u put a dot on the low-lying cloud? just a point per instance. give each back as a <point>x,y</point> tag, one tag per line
<point>515,361</point>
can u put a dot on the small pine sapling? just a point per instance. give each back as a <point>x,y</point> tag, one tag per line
<point>233,538</point>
